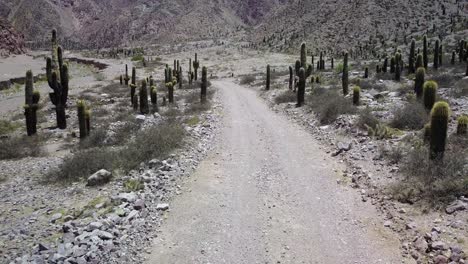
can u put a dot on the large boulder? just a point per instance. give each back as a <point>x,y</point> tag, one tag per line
<point>100,177</point>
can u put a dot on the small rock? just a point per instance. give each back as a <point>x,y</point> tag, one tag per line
<point>55,217</point>
<point>440,259</point>
<point>456,206</point>
<point>421,244</point>
<point>162,206</point>
<point>94,226</point>
<point>105,235</point>
<point>139,204</point>
<point>128,197</point>
<point>438,245</point>
<point>99,177</point>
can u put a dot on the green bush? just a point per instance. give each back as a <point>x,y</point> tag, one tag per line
<point>7,127</point>
<point>137,57</point>
<point>328,105</point>
<point>412,116</point>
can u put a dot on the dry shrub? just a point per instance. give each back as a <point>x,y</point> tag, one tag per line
<point>412,116</point>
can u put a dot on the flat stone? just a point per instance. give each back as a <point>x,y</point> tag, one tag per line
<point>94,226</point>
<point>456,206</point>
<point>438,245</point>
<point>104,235</point>
<point>421,244</point>
<point>128,197</point>
<point>55,217</point>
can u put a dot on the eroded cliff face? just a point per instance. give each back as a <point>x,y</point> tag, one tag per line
<point>11,42</point>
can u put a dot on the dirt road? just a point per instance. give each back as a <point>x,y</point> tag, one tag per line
<point>269,194</point>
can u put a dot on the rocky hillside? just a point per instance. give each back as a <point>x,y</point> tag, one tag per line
<point>12,42</point>
<point>338,25</point>
<point>278,24</point>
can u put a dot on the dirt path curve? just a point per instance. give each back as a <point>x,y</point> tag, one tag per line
<point>268,194</point>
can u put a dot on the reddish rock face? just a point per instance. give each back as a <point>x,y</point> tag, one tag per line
<point>11,41</point>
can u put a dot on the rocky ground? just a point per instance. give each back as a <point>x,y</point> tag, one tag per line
<point>12,42</point>
<point>115,223</point>
<point>433,232</point>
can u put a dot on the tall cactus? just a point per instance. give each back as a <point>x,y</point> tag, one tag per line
<point>461,51</point>
<point>81,105</point>
<point>126,79</point>
<point>133,86</point>
<point>419,82</point>
<point>204,85</point>
<point>392,64</point>
<point>452,61</point>
<point>356,95</point>
<point>412,56</point>
<point>144,109</point>
<point>429,94</point>
<point>196,65</point>
<point>398,67</point>
<point>462,125</point>
<point>170,86</point>
<point>419,61</point>
<point>441,55</point>
<point>301,88</point>
<point>436,55</point>
<point>345,75</point>
<point>268,78</point>
<point>303,56</point>
<point>366,73</point>
<point>385,65</point>
<point>439,123</point>
<point>291,76</point>
<point>189,76</point>
<point>425,53</point>
<point>30,107</point>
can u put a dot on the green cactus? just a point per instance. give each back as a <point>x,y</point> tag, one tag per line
<point>419,61</point>
<point>452,61</point>
<point>135,102</point>
<point>31,101</point>
<point>196,65</point>
<point>322,62</point>
<point>427,132</point>
<point>81,105</point>
<point>312,62</point>
<point>291,77</point>
<point>436,54</point>
<point>332,62</point>
<point>170,91</point>
<point>366,73</point>
<point>144,109</point>
<point>440,55</point>
<point>429,94</point>
<point>461,50</point>
<point>419,82</point>
<point>462,125</point>
<point>189,74</point>
<point>303,56</point>
<point>204,85</point>
<point>154,98</point>
<point>345,75</point>
<point>301,88</point>
<point>439,123</point>
<point>385,65</point>
<point>412,56</point>
<point>425,52</point>
<point>88,120</point>
<point>126,79</point>
<point>356,95</point>
<point>392,64</point>
<point>133,86</point>
<point>268,78</point>
<point>398,67</point>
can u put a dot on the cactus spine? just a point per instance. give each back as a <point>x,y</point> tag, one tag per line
<point>81,105</point>
<point>419,82</point>
<point>429,94</point>
<point>425,55</point>
<point>356,95</point>
<point>301,88</point>
<point>204,85</point>
<point>345,75</point>
<point>439,124</point>
<point>268,78</point>
<point>144,109</point>
<point>462,125</point>
<point>412,56</point>
<point>196,65</point>
<point>436,55</point>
